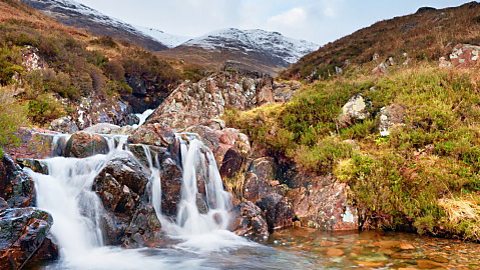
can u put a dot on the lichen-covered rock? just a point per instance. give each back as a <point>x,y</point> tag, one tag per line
<point>465,55</point>
<point>357,108</point>
<point>83,144</point>
<point>390,116</point>
<point>324,206</point>
<point>171,175</point>
<point>64,124</point>
<point>22,232</point>
<point>35,165</point>
<point>34,143</point>
<point>195,103</point>
<point>250,222</point>
<point>153,134</point>
<point>107,128</point>
<point>16,186</point>
<point>144,230</point>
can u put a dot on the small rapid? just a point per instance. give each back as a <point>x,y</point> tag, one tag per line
<point>67,193</point>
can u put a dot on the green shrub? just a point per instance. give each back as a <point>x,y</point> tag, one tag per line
<point>12,116</point>
<point>44,109</point>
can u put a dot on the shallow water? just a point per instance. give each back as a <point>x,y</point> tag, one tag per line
<point>309,249</point>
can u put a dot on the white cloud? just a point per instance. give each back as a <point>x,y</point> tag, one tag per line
<point>293,17</point>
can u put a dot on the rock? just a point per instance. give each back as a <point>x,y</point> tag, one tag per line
<point>3,204</point>
<point>233,162</point>
<point>249,221</point>
<point>64,125</point>
<point>406,246</point>
<point>23,231</point>
<point>34,143</point>
<point>171,175</point>
<point>144,229</point>
<point>390,116</point>
<point>444,63</point>
<point>324,207</point>
<point>381,69</point>
<point>427,264</point>
<point>132,119</point>
<point>47,252</point>
<point>103,128</point>
<point>16,186</point>
<point>278,211</point>
<point>153,134</point>
<point>83,144</point>
<point>31,59</point>
<point>283,91</point>
<point>465,55</point>
<point>121,186</point>
<point>35,165</point>
<point>357,108</point>
<point>334,252</point>
<point>438,258</point>
<point>195,103</point>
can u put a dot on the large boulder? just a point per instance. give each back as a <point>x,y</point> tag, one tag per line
<point>195,103</point>
<point>33,143</point>
<point>83,144</point>
<point>357,108</point>
<point>153,134</point>
<point>324,205</point>
<point>121,186</point>
<point>465,55</point>
<point>144,230</point>
<point>171,176</point>
<point>22,232</point>
<point>16,186</point>
<point>250,222</point>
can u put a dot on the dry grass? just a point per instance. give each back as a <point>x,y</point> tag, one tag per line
<point>425,35</point>
<point>463,213</point>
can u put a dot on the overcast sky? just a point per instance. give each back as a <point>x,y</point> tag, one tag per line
<point>320,21</point>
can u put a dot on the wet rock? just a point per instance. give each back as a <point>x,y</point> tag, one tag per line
<point>465,55</point>
<point>120,186</point>
<point>157,153</point>
<point>33,164</point>
<point>47,252</point>
<point>3,204</point>
<point>144,230</point>
<point>233,161</point>
<point>23,232</point>
<point>324,207</point>
<point>171,175</point>
<point>427,264</point>
<point>278,211</point>
<point>64,125</point>
<point>390,116</point>
<point>83,144</point>
<point>357,108</point>
<point>153,134</point>
<point>132,119</point>
<point>16,186</point>
<point>249,221</point>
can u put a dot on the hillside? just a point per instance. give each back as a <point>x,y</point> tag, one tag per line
<point>50,71</point>
<point>75,14</point>
<point>426,35</point>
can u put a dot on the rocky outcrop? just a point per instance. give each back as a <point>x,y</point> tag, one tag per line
<point>64,125</point>
<point>83,144</point>
<point>31,59</point>
<point>465,55</point>
<point>33,143</point>
<point>324,205</point>
<point>196,103</point>
<point>153,134</point>
<point>107,128</point>
<point>23,230</point>
<point>356,109</point>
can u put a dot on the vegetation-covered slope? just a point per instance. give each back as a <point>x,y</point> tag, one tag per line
<point>71,65</point>
<point>425,35</point>
<point>424,176</point>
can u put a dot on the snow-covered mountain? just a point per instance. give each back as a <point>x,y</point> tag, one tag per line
<point>78,15</point>
<point>272,44</point>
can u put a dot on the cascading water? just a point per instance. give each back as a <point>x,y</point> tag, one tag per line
<point>66,192</point>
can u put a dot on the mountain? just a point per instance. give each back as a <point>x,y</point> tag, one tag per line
<point>267,51</point>
<point>75,14</point>
<point>426,35</point>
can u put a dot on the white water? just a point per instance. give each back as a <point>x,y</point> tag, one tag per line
<point>67,194</point>
<point>143,117</point>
